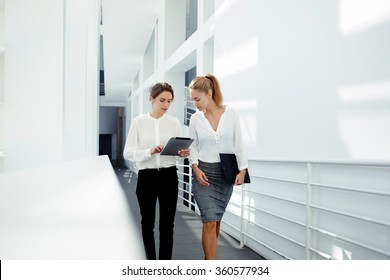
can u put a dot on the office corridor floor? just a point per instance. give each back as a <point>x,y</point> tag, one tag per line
<point>188,228</point>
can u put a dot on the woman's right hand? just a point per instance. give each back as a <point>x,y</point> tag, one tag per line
<point>200,176</point>
<point>156,149</point>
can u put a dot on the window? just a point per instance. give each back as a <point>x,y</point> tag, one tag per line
<point>189,108</point>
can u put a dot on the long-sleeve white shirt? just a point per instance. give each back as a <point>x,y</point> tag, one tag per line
<point>208,143</point>
<point>147,132</point>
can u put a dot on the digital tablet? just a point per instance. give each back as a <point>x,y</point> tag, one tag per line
<point>175,144</point>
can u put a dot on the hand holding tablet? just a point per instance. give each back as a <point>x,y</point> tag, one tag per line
<point>175,144</point>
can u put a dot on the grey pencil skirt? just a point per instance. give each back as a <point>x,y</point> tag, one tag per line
<point>213,199</point>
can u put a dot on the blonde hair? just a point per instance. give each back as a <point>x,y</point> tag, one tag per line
<point>206,83</point>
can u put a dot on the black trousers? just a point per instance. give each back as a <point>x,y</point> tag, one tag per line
<point>161,184</point>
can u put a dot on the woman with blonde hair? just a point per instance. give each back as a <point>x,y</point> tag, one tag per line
<point>216,129</point>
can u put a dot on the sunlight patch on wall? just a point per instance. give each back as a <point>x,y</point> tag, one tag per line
<point>249,213</point>
<point>364,119</point>
<point>357,15</point>
<point>224,7</point>
<point>369,92</point>
<point>253,204</point>
<point>237,59</point>
<point>234,206</point>
<point>247,110</point>
<point>341,254</point>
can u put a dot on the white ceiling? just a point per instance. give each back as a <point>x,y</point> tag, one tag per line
<point>127,27</point>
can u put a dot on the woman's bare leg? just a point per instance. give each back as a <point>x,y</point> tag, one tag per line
<point>209,240</point>
<point>217,228</point>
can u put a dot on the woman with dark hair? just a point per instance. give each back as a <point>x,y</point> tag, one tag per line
<point>157,175</point>
<point>215,129</point>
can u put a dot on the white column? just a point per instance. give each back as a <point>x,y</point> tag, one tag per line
<point>33,83</point>
<point>81,79</point>
<point>51,82</point>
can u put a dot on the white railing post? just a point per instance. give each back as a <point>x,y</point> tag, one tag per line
<point>308,210</point>
<point>242,227</point>
<point>189,188</point>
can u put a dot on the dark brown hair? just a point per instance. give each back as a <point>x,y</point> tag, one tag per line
<point>206,83</point>
<point>158,88</point>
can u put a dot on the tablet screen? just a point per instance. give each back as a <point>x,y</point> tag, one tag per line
<point>175,144</point>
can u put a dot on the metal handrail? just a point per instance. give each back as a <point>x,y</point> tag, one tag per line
<point>308,204</point>
<point>310,184</point>
<point>373,163</point>
<point>191,204</point>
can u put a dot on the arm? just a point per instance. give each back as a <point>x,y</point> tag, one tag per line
<point>194,156</point>
<point>199,175</point>
<point>242,161</point>
<point>131,151</point>
<point>178,133</point>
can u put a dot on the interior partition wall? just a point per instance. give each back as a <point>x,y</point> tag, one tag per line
<point>51,82</point>
<point>308,81</point>
<point>33,108</point>
<point>149,59</point>
<point>2,101</point>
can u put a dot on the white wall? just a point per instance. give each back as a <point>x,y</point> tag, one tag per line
<point>175,23</point>
<point>33,83</point>
<point>50,81</point>
<point>310,79</point>
<point>2,49</point>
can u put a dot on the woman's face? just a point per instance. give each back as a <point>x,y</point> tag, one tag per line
<point>201,99</point>
<point>162,102</point>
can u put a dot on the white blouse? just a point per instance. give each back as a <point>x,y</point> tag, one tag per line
<point>208,143</point>
<point>147,132</point>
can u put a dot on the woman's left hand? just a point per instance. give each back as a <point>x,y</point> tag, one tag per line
<point>184,153</point>
<point>240,178</point>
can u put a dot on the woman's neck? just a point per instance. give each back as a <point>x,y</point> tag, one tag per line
<point>155,115</point>
<point>214,109</point>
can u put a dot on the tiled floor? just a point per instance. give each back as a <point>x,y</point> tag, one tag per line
<point>188,228</point>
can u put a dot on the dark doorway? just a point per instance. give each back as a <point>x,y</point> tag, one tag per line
<point>105,145</point>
